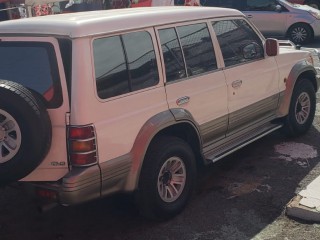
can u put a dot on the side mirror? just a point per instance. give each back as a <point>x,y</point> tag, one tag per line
<point>278,8</point>
<point>251,51</point>
<point>272,47</point>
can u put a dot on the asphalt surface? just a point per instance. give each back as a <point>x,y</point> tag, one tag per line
<point>243,196</point>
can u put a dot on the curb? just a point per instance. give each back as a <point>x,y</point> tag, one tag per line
<point>306,205</point>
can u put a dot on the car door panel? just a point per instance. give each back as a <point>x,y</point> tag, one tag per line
<point>270,23</point>
<point>193,81</point>
<point>251,77</point>
<point>256,98</point>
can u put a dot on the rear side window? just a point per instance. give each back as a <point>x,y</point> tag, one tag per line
<point>172,54</point>
<point>187,51</point>
<point>33,65</point>
<point>238,41</point>
<point>197,48</point>
<point>124,63</point>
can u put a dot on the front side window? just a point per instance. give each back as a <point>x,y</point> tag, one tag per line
<point>124,63</point>
<point>238,41</point>
<point>33,65</point>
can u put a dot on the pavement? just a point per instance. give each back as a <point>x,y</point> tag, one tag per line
<point>306,205</point>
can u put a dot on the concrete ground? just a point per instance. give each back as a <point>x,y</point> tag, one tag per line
<point>306,205</point>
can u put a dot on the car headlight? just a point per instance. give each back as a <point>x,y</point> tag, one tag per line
<point>316,14</point>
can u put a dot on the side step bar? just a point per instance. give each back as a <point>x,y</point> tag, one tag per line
<point>235,144</point>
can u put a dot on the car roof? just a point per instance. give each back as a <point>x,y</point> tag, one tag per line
<point>88,23</point>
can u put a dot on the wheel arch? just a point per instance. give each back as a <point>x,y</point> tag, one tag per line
<point>301,70</point>
<point>163,124</point>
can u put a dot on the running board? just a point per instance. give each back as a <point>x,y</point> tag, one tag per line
<point>235,144</point>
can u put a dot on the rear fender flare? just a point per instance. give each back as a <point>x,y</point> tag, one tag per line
<point>149,130</point>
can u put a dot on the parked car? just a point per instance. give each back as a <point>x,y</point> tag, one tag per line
<point>278,18</point>
<point>311,3</point>
<point>134,100</point>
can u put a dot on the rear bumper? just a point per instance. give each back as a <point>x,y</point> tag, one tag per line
<point>78,186</point>
<point>82,185</point>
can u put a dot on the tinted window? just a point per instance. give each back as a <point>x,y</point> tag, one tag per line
<point>110,67</point>
<point>33,65</point>
<point>197,48</point>
<point>142,66</point>
<point>124,63</point>
<point>172,54</point>
<point>261,5</point>
<point>238,42</point>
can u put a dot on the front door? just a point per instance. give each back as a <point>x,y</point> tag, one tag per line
<point>252,78</point>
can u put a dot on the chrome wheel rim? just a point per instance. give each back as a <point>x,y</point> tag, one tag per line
<point>171,179</point>
<point>299,34</point>
<point>10,137</point>
<point>303,107</point>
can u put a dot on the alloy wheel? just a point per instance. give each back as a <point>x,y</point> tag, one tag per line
<point>171,179</point>
<point>10,137</point>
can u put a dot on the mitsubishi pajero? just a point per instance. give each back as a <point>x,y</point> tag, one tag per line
<point>135,100</point>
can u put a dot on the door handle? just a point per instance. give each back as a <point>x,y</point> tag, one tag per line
<point>236,84</point>
<point>249,16</point>
<point>182,100</point>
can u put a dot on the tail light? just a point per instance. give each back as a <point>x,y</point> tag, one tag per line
<point>46,193</point>
<point>82,145</point>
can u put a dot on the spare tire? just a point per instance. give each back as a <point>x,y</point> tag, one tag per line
<point>25,131</point>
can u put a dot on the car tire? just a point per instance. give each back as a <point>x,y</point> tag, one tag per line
<point>302,109</point>
<point>300,33</point>
<point>159,197</point>
<point>25,131</point>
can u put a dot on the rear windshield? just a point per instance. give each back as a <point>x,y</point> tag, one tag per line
<point>33,65</point>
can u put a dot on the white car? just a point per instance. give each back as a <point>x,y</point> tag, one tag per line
<point>134,100</point>
<point>278,18</point>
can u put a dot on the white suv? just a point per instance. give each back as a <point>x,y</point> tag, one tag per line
<point>133,100</point>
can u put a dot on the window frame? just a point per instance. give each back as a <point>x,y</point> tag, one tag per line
<point>254,29</point>
<point>214,42</point>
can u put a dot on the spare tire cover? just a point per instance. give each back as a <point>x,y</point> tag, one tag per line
<point>25,131</point>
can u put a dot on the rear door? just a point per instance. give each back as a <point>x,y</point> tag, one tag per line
<point>195,83</point>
